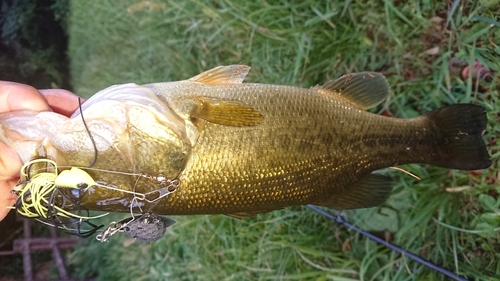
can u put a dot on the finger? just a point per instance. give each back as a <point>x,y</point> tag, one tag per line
<point>15,96</point>
<point>7,199</point>
<point>10,163</point>
<point>61,101</point>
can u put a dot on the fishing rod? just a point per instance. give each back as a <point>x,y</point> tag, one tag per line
<point>391,246</point>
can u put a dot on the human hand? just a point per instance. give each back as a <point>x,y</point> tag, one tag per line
<point>13,97</point>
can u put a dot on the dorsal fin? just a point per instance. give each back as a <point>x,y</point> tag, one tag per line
<point>364,89</point>
<point>229,74</point>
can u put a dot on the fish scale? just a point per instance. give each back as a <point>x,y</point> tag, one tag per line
<point>312,157</point>
<point>244,148</point>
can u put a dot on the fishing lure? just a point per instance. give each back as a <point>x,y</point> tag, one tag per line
<point>148,227</point>
<point>44,194</point>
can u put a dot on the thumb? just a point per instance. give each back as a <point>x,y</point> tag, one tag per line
<point>10,164</point>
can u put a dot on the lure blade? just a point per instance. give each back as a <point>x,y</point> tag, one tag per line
<point>148,227</point>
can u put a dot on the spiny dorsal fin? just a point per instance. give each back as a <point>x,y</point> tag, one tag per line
<point>229,74</point>
<point>364,89</point>
<point>226,112</point>
<point>370,191</point>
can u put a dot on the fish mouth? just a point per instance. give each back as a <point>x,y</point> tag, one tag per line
<point>135,96</point>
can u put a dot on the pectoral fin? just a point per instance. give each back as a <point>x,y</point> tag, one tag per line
<point>226,112</point>
<point>364,89</point>
<point>230,74</point>
<point>370,191</point>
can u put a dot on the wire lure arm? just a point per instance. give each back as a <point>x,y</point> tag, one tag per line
<point>148,227</point>
<point>46,195</point>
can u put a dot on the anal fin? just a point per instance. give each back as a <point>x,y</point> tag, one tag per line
<point>242,215</point>
<point>370,191</point>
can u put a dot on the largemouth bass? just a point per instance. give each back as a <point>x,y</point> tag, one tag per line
<point>214,145</point>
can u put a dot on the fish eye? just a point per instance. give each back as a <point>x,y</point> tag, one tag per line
<point>82,185</point>
<point>75,192</point>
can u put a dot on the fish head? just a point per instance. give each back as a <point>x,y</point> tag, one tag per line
<point>133,130</point>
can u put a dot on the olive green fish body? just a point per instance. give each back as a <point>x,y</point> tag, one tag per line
<point>215,145</point>
<point>302,146</point>
<point>308,149</point>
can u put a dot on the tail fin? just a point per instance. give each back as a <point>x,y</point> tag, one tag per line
<point>460,144</point>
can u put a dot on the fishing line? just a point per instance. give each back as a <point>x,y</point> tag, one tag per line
<point>135,200</point>
<point>88,131</point>
<point>51,214</point>
<point>168,186</point>
<point>389,245</point>
<point>104,170</point>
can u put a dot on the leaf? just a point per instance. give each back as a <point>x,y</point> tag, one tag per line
<point>432,51</point>
<point>485,19</point>
<point>453,8</point>
<point>486,230</point>
<point>487,202</point>
<point>491,218</point>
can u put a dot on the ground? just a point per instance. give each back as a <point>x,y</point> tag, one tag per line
<point>426,49</point>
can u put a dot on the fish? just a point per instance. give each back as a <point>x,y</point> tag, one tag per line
<point>212,144</point>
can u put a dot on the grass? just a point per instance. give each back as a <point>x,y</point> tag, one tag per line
<point>305,43</point>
